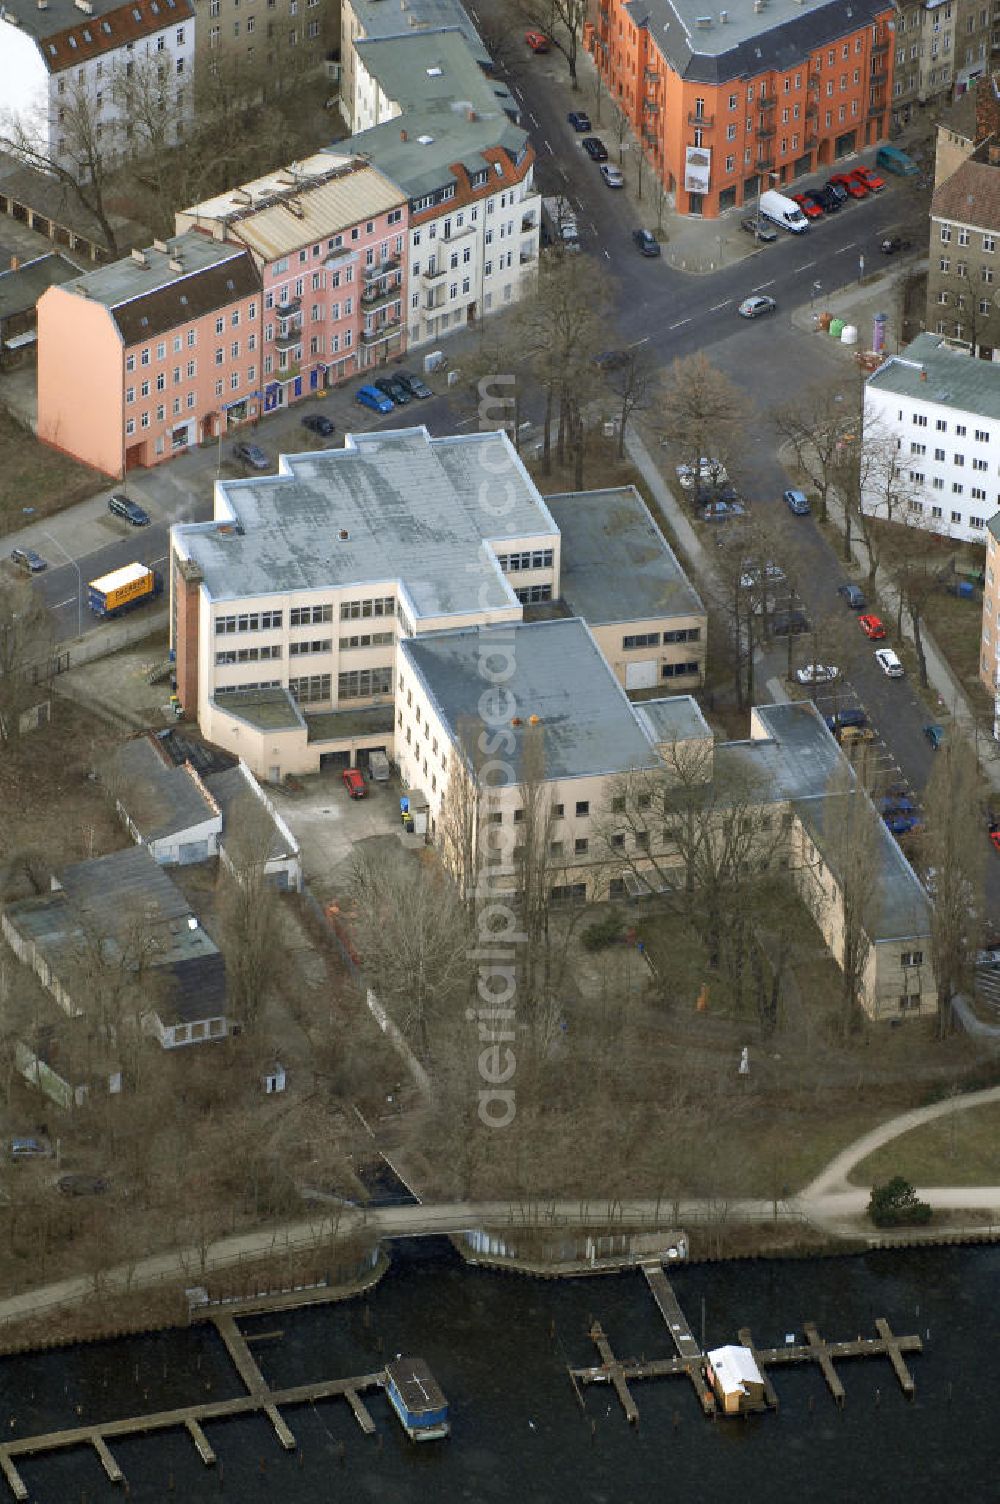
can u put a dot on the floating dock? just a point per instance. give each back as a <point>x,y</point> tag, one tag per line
<point>691,1362</point>
<point>259,1398</point>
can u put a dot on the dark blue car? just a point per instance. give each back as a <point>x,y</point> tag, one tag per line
<point>900,824</point>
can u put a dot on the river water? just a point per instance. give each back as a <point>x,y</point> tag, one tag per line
<point>499,1346</point>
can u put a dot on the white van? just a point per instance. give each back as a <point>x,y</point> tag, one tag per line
<point>782,211</point>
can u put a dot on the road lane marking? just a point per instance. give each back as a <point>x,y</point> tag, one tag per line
<point>763,285</point>
<point>69,601</point>
<point>548,143</point>
<point>679,325</point>
<point>533,118</point>
<point>846,248</point>
<point>806,265</point>
<point>637,342</point>
<point>607,254</point>
<point>716,306</point>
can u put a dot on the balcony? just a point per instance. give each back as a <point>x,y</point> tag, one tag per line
<point>383,331</point>
<point>288,340</point>
<point>528,224</point>
<point>376,297</point>
<point>812,109</point>
<point>650,107</point>
<point>767,101</point>
<point>527,257</point>
<point>875,110</point>
<point>765,132</point>
<point>881,48</point>
<point>764,164</point>
<point>811,142</point>
<point>288,310</point>
<point>434,273</point>
<point>706,121</point>
<point>651,75</point>
<point>878,76</point>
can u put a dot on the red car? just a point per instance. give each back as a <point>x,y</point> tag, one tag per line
<point>809,209</point>
<point>872,627</point>
<point>354,783</point>
<point>868,179</point>
<point>537,41</point>
<point>995,834</point>
<point>851,185</point>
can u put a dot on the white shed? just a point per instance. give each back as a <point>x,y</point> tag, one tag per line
<point>736,1379</point>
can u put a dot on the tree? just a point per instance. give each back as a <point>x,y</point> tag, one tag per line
<point>635,384</point>
<point>916,569</point>
<point>849,835</point>
<point>415,939</point>
<point>27,635</point>
<point>876,488</point>
<point>703,413</point>
<point>249,911</point>
<point>561,21</point>
<point>816,425</point>
<point>954,850</point>
<point>896,1204</point>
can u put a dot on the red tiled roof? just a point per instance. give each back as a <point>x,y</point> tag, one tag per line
<point>94,36</point>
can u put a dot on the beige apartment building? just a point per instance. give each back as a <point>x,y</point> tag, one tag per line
<point>941,48</point>
<point>267,45</point>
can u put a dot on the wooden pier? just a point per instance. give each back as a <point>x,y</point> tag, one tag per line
<point>259,1398</point>
<point>691,1361</point>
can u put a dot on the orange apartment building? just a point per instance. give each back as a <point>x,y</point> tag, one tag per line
<point>145,357</point>
<point>726,103</point>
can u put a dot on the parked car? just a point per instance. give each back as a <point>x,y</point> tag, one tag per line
<point>853,596</point>
<point>893,243</point>
<point>354,782</point>
<point>316,423</point>
<point>646,242</point>
<point>28,1148</point>
<point>851,716</point>
<point>836,187</point>
<point>889,663</point>
<point>797,502</point>
<point>993,830</point>
<point>370,396</point>
<point>708,469</point>
<point>851,186</point>
<point>706,492</point>
<point>755,308</point>
<point>771,574</point>
<point>392,388</point>
<point>852,736</point>
<point>121,505</point>
<point>721,511</point>
<point>825,202</point>
<point>872,627</point>
<point>579,120</point>
<point>613,176</point>
<point>28,560</point>
<point>595,148</point>
<point>414,384</point>
<point>612,360</point>
<point>754,225</point>
<point>901,825</point>
<point>816,673</point>
<point>895,804</point>
<point>252,455</point>
<point>870,179</point>
<point>934,734</point>
<point>537,41</point>
<point>809,207</point>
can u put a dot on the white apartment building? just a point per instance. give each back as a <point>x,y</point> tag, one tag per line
<point>467,168</point>
<point>362,102</point>
<point>63,61</point>
<point>942,407</point>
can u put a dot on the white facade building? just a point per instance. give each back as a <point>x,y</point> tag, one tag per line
<point>942,407</point>
<point>66,60</point>
<point>362,103</point>
<point>454,147</point>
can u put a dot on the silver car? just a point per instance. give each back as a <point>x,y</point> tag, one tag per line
<point>754,308</point>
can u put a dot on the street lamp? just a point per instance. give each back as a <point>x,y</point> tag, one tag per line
<point>814,293</point>
<point>79,579</point>
<point>861,267</point>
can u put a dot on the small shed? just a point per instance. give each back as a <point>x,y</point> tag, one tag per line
<point>736,1379</point>
<point>274,1079</point>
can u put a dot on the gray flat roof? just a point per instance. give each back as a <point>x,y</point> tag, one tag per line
<point>390,506</point>
<point>267,709</point>
<point>778,37</point>
<point>334,725</point>
<point>230,789</point>
<point>560,676</point>
<point>932,371</point>
<point>159,797</point>
<point>402,18</point>
<point>430,67</point>
<point>616,565</point>
<point>676,718</point>
<point>122,281</point>
<point>798,766</point>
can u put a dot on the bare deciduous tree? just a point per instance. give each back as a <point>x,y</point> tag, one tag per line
<point>955,852</point>
<point>703,414</point>
<point>561,21</point>
<point>815,426</point>
<point>249,910</point>
<point>27,635</point>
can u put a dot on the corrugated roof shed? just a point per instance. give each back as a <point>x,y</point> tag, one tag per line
<point>160,798</point>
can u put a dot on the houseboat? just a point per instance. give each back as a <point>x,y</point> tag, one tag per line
<point>736,1379</point>
<point>417,1400</point>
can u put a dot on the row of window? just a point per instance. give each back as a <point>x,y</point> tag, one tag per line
<point>248,621</point>
<point>534,595</point>
<point>958,460</point>
<point>539,558</point>
<point>368,640</point>
<point>963,236</point>
<point>653,639</point>
<point>361,683</point>
<point>319,645</point>
<point>375,606</point>
<point>248,655</point>
<point>962,270</point>
<point>919,420</point>
<point>937,513</point>
<point>309,616</point>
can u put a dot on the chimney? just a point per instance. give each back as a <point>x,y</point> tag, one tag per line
<point>402,135</point>
<point>43,4</point>
<point>175,264</point>
<point>161,246</point>
<point>923,375</point>
<point>471,116</point>
<point>15,262</point>
<point>139,257</point>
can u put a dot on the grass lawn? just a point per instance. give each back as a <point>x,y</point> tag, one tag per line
<point>33,475</point>
<point>962,1149</point>
<point>956,627</point>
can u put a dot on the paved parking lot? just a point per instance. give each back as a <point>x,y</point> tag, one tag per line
<point>327,823</point>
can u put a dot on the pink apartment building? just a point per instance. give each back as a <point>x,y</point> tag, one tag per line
<point>327,236</point>
<point>151,354</point>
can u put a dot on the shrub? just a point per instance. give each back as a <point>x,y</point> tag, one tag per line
<point>895,1204</point>
<point>605,932</point>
